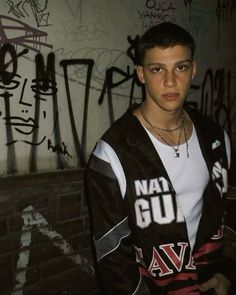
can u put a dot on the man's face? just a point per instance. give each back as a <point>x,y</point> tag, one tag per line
<point>167,75</point>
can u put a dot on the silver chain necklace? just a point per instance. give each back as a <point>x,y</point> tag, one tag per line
<point>158,128</point>
<point>181,127</point>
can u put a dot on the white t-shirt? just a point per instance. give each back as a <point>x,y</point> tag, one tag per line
<point>189,177</point>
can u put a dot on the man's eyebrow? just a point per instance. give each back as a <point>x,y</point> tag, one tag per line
<point>163,65</point>
<point>183,61</point>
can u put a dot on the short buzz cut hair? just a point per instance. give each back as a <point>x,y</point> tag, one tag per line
<point>164,35</point>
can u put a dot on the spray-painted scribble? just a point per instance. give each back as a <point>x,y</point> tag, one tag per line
<point>25,128</point>
<point>216,97</point>
<point>75,8</point>
<point>45,88</point>
<point>28,37</point>
<point>157,12</point>
<point>73,31</point>
<point>40,12</point>
<point>18,9</point>
<point>33,220</point>
<point>125,76</point>
<point>215,93</point>
<point>54,106</point>
<point>199,19</point>
<point>224,10</point>
<point>80,148</point>
<point>22,125</point>
<point>23,9</point>
<point>109,85</point>
<point>187,2</point>
<point>9,82</point>
<point>58,149</point>
<point>109,58</point>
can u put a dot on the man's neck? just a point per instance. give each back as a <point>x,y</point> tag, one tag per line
<point>163,118</point>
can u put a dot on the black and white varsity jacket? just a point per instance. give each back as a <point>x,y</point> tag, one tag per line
<point>158,249</point>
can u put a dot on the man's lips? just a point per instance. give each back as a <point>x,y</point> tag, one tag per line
<point>170,96</point>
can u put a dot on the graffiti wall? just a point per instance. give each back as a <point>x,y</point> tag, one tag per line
<point>67,72</point>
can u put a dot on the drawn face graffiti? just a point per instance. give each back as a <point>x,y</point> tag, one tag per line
<point>18,114</point>
<point>29,109</point>
<point>18,101</point>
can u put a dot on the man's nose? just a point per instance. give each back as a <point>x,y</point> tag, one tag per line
<point>170,79</point>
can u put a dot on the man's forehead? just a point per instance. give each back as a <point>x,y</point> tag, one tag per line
<point>174,48</point>
<point>163,55</point>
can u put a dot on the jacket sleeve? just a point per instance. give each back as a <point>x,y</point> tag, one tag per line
<point>227,265</point>
<point>115,262</point>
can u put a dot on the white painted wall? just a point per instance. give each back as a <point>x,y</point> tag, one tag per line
<point>97,30</point>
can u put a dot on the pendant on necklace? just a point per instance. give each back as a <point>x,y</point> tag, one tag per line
<point>176,153</point>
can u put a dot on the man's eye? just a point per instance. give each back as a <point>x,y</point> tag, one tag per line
<point>156,70</point>
<point>182,68</point>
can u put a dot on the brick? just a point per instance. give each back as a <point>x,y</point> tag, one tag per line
<point>57,266</point>
<point>66,188</point>
<point>15,223</point>
<point>59,198</point>
<point>69,207</point>
<point>6,205</point>
<point>84,205</point>
<point>38,198</point>
<point>87,253</point>
<point>39,239</point>
<point>82,281</point>
<point>48,215</point>
<point>80,241</point>
<point>53,208</point>
<point>44,252</point>
<point>86,223</point>
<point>63,231</point>
<point>33,274</point>
<point>3,227</point>
<point>6,273</point>
<point>33,291</point>
<point>46,178</point>
<point>81,288</point>
<point>9,243</point>
<point>71,227</point>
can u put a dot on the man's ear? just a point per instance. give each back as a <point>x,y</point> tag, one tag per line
<point>139,71</point>
<point>194,71</point>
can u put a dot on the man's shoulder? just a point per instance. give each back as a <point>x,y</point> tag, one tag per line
<point>122,128</point>
<point>120,124</point>
<point>204,121</point>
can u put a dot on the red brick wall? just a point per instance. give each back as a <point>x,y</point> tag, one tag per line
<point>44,235</point>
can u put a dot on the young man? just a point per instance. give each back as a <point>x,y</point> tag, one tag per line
<point>156,183</point>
